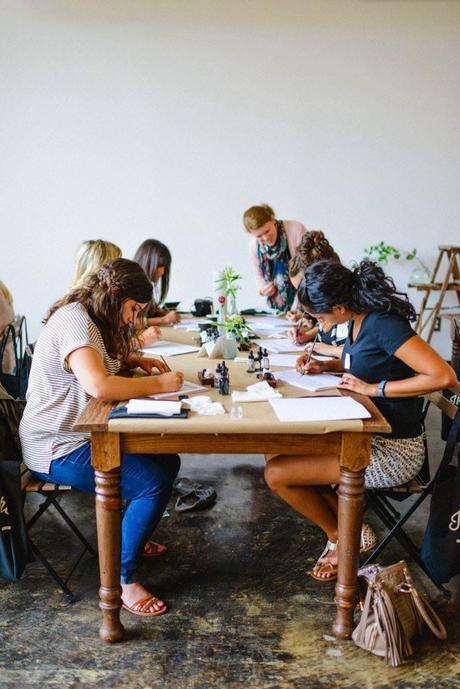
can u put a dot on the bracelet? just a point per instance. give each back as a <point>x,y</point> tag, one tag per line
<point>381,392</point>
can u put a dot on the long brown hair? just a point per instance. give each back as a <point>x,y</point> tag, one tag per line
<point>150,255</point>
<point>103,293</point>
<point>313,247</point>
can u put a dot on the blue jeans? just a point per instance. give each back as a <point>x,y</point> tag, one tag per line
<point>146,484</point>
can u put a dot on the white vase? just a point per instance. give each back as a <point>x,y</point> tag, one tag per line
<point>229,346</point>
<point>420,276</point>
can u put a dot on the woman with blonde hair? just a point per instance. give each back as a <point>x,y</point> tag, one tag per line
<point>91,255</point>
<point>273,244</point>
<point>6,317</point>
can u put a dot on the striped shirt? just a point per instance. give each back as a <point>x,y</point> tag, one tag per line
<point>55,398</point>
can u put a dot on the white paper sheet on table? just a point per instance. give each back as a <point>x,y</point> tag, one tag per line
<point>318,409</point>
<point>187,388</point>
<point>149,406</point>
<point>164,348</point>
<point>279,345</point>
<point>313,383</point>
<point>268,322</point>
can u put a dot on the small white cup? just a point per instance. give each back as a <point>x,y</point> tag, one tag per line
<point>236,412</point>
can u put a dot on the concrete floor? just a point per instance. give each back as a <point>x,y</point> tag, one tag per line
<point>243,612</point>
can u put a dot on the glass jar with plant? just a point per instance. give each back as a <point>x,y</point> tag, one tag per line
<point>382,252</point>
<point>238,330</point>
<point>227,283</point>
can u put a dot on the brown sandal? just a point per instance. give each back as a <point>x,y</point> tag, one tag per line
<point>140,606</point>
<point>329,568</point>
<point>153,549</point>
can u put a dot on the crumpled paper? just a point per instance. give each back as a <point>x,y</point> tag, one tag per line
<point>258,392</point>
<point>204,406</point>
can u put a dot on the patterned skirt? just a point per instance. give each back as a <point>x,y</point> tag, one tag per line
<point>394,461</point>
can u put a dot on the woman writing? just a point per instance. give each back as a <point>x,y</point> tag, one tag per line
<point>273,244</point>
<point>329,338</point>
<point>87,336</point>
<point>382,358</point>
<point>154,258</point>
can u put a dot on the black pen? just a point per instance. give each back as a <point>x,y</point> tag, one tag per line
<point>302,372</point>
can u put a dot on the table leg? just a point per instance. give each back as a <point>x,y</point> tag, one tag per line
<point>354,458</point>
<point>108,517</point>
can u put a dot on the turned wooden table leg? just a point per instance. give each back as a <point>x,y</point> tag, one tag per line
<point>354,458</point>
<point>106,452</point>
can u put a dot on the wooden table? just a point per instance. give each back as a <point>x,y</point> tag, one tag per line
<point>258,432</point>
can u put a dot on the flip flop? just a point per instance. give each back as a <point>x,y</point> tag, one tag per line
<point>328,568</point>
<point>185,485</point>
<point>196,499</point>
<point>154,549</point>
<point>139,607</point>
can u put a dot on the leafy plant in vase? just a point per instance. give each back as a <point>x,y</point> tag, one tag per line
<point>382,253</point>
<point>227,283</point>
<point>237,330</point>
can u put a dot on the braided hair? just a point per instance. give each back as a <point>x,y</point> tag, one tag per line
<point>365,288</point>
<point>103,293</point>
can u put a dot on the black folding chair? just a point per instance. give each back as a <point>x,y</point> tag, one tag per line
<point>380,500</point>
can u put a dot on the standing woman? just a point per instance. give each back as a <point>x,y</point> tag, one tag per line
<point>382,358</point>
<point>87,336</point>
<point>273,244</point>
<point>154,258</point>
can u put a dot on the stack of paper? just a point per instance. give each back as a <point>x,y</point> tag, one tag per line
<point>164,348</point>
<point>279,345</point>
<point>319,409</point>
<point>147,406</point>
<point>321,381</point>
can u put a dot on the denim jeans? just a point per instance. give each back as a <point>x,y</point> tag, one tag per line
<point>146,484</point>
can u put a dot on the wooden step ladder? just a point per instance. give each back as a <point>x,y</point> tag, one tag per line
<point>450,282</point>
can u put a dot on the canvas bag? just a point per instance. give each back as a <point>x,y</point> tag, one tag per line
<point>393,613</point>
<point>14,544</point>
<point>440,549</point>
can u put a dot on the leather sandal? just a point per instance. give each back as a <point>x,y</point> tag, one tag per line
<point>368,539</point>
<point>329,568</point>
<point>141,606</point>
<point>153,549</point>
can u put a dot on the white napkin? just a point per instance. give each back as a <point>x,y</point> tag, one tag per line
<point>259,392</point>
<point>204,406</point>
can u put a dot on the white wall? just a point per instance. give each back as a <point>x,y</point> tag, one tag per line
<point>125,119</point>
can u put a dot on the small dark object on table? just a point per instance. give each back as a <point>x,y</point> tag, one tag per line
<point>205,377</point>
<point>269,377</point>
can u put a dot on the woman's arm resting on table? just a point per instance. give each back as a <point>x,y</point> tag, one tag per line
<point>88,368</point>
<point>432,373</point>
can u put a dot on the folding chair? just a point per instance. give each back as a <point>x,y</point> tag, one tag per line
<point>379,500</point>
<point>52,494</point>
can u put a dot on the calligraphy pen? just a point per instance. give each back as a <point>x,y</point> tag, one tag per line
<point>302,373</point>
<point>163,360</point>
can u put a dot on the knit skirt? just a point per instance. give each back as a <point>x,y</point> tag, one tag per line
<point>394,461</point>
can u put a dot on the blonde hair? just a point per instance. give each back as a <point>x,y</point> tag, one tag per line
<point>257,216</point>
<point>6,293</point>
<point>91,255</point>
<point>313,247</point>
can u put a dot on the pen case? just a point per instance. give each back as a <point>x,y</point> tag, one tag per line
<point>121,413</point>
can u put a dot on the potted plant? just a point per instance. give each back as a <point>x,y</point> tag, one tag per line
<point>382,253</point>
<point>227,284</point>
<point>236,335</point>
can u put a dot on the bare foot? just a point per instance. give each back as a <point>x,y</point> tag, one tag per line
<point>326,567</point>
<point>139,601</point>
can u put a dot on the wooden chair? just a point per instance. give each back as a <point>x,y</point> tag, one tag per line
<point>380,500</point>
<point>52,494</point>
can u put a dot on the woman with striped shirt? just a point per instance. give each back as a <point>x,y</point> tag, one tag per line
<point>88,336</point>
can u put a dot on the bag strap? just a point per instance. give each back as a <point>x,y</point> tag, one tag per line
<point>423,607</point>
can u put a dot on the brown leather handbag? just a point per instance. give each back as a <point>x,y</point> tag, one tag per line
<point>393,613</point>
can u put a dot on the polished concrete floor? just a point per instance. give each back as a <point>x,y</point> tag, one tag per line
<point>243,612</point>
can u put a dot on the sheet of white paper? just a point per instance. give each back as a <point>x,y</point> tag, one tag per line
<point>148,406</point>
<point>279,345</point>
<point>268,322</point>
<point>322,381</point>
<point>288,360</point>
<point>187,388</point>
<point>318,409</point>
<point>164,348</point>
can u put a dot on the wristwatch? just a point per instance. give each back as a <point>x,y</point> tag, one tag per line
<point>381,392</point>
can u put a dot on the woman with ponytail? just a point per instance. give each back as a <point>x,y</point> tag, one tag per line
<point>88,336</point>
<point>382,358</point>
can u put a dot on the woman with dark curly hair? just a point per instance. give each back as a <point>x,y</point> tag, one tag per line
<point>88,336</point>
<point>382,358</point>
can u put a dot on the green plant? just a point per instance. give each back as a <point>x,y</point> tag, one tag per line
<point>382,252</point>
<point>228,282</point>
<point>238,326</point>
